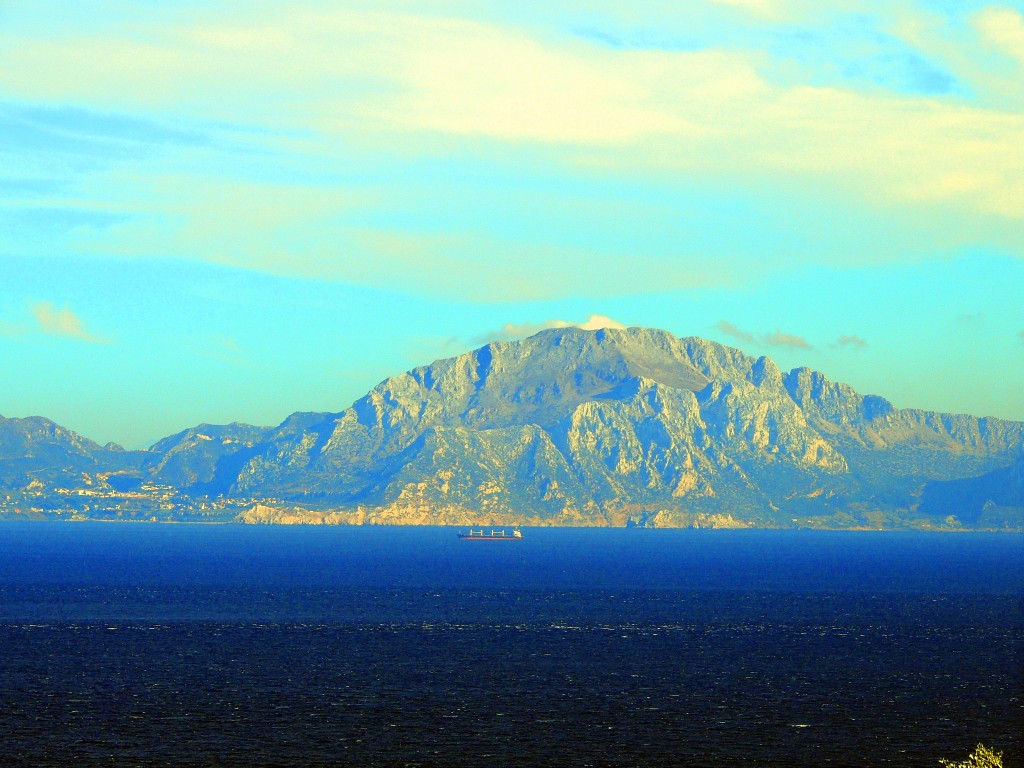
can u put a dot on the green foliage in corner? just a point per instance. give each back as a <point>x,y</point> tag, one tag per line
<point>981,757</point>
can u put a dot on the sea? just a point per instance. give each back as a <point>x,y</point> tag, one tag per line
<point>127,644</point>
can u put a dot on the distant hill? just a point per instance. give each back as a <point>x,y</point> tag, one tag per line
<point>37,450</point>
<point>992,500</point>
<point>608,427</point>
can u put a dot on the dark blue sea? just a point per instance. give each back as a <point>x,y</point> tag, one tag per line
<point>193,645</point>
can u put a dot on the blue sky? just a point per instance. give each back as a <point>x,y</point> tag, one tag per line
<point>232,211</point>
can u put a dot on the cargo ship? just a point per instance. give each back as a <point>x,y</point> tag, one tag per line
<point>495,534</point>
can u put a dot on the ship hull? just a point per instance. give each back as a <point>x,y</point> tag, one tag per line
<point>494,534</point>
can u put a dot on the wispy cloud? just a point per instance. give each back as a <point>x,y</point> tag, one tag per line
<point>694,110</point>
<point>511,331</point>
<point>779,339</point>
<point>85,133</point>
<point>1003,28</point>
<point>730,329</point>
<point>399,89</point>
<point>764,8</point>
<point>776,339</point>
<point>317,233</point>
<point>1021,335</point>
<point>849,342</point>
<point>225,349</point>
<point>63,322</point>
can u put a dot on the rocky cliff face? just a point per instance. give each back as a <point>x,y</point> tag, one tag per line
<point>602,428</point>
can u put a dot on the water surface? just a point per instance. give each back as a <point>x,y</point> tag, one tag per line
<point>222,645</point>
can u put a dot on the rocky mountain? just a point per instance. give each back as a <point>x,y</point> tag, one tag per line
<point>608,427</point>
<point>204,460</point>
<point>35,450</point>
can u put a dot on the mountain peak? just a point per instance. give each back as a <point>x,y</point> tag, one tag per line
<point>765,370</point>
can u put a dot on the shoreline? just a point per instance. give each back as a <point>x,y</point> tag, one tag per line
<point>531,525</point>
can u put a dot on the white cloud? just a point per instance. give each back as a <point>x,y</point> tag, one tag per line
<point>403,85</point>
<point>474,79</point>
<point>1003,28</point>
<point>511,331</point>
<point>368,74</point>
<point>63,322</point>
<point>596,322</point>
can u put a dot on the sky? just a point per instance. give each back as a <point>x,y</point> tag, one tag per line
<point>230,211</point>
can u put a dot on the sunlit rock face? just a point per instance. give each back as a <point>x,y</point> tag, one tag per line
<point>575,427</point>
<point>608,427</point>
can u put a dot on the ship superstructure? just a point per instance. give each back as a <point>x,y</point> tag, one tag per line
<point>494,534</point>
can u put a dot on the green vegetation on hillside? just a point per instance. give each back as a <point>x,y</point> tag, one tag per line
<point>981,757</point>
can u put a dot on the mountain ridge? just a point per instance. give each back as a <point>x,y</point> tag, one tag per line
<point>603,427</point>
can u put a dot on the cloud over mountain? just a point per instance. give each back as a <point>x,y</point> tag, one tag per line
<point>511,331</point>
<point>731,329</point>
<point>779,339</point>
<point>776,339</point>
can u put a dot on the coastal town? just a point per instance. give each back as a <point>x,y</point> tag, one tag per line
<point>97,499</point>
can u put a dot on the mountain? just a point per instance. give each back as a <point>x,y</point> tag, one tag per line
<point>608,427</point>
<point>36,450</point>
<point>601,427</point>
<point>204,460</point>
<point>992,500</point>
